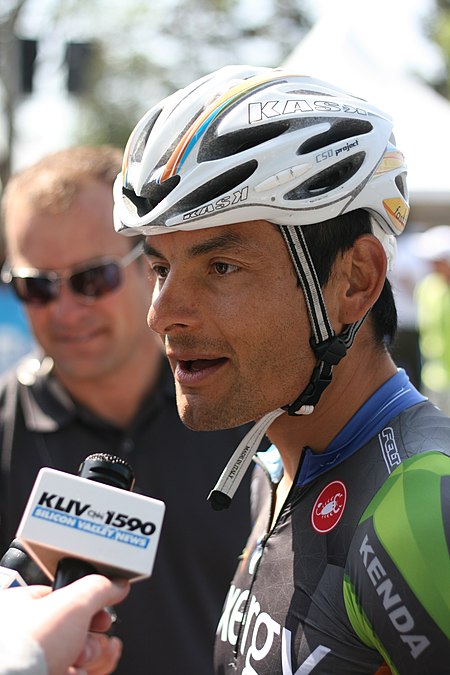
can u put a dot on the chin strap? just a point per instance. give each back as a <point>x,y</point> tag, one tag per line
<point>329,353</point>
<point>222,494</point>
<point>329,349</point>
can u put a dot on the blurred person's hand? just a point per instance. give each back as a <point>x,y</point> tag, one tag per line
<point>61,623</point>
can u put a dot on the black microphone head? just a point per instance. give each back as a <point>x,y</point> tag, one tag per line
<point>107,469</point>
<point>16,558</point>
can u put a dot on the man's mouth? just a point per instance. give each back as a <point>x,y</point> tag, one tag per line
<point>78,337</point>
<point>195,371</point>
<point>198,365</point>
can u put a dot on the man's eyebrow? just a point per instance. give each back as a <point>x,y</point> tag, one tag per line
<point>222,242</point>
<point>149,250</point>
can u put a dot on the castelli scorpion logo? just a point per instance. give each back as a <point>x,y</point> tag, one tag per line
<point>329,507</point>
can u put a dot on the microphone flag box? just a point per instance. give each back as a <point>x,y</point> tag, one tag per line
<point>10,578</point>
<point>68,516</point>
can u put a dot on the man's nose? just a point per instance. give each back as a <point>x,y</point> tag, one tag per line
<point>69,302</point>
<point>174,306</point>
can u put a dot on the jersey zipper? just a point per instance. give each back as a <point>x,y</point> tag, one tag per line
<point>260,547</point>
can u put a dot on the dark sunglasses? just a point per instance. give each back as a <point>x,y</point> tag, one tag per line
<point>90,281</point>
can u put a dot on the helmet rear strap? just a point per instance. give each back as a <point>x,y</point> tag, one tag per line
<point>328,347</point>
<point>303,264</point>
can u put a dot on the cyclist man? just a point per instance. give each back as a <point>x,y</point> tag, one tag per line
<point>271,202</point>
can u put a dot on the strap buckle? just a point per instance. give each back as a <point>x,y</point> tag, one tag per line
<point>329,353</point>
<point>331,350</point>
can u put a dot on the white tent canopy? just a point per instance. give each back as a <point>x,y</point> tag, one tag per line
<point>421,116</point>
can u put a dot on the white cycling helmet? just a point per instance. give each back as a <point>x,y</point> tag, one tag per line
<point>250,143</point>
<point>245,144</point>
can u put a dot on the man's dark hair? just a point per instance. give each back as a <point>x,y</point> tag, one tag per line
<point>333,237</point>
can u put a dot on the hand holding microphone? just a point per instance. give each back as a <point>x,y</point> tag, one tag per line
<point>74,526</point>
<point>38,626</point>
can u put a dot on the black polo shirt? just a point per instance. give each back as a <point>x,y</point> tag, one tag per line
<point>168,621</point>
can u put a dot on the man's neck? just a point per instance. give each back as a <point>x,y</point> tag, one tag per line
<point>355,379</point>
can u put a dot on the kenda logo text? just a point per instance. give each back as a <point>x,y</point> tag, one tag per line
<point>397,612</point>
<point>269,109</point>
<point>260,634</point>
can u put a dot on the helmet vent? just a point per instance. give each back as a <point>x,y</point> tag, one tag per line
<point>218,186</point>
<point>152,194</point>
<point>311,92</point>
<point>138,150</point>
<point>328,180</point>
<point>401,185</point>
<point>239,141</point>
<point>340,131</point>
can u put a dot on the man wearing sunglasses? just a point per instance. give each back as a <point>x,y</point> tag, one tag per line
<point>102,383</point>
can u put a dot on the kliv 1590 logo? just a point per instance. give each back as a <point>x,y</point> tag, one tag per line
<point>76,508</point>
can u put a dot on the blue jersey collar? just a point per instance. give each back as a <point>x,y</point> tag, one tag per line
<point>394,396</point>
<point>387,402</point>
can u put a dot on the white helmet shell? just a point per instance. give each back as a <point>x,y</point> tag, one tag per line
<point>248,143</point>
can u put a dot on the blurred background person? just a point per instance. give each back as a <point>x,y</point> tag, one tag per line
<point>408,271</point>
<point>433,307</point>
<point>100,382</point>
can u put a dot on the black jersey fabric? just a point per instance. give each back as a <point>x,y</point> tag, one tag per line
<point>354,576</point>
<point>167,623</point>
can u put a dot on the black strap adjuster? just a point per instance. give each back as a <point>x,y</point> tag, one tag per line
<point>329,351</point>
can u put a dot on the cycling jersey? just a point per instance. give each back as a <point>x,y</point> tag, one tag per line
<point>354,576</point>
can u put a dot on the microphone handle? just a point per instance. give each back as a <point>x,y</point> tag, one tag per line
<point>71,569</point>
<point>17,558</point>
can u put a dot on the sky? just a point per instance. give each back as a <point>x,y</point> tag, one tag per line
<point>392,29</point>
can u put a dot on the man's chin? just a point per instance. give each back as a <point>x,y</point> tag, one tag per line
<point>201,423</point>
<point>198,418</point>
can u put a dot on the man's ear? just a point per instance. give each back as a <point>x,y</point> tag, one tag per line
<point>361,274</point>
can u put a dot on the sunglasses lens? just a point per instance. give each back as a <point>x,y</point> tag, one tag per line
<point>97,281</point>
<point>36,290</point>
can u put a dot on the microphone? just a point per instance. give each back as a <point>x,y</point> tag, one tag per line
<point>18,569</point>
<point>108,470</point>
<point>91,523</point>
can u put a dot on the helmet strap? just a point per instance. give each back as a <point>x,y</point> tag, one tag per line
<point>328,347</point>
<point>321,327</point>
<point>329,353</point>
